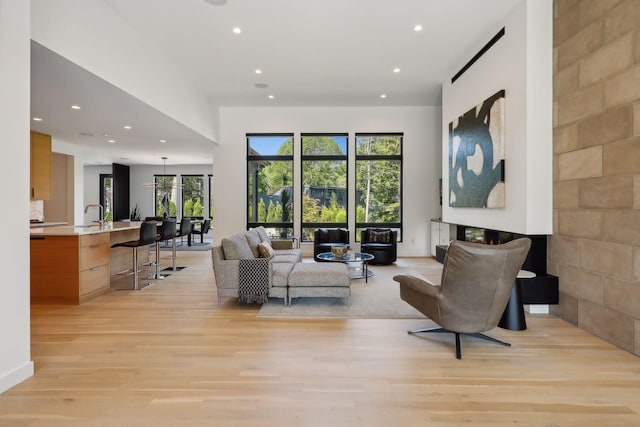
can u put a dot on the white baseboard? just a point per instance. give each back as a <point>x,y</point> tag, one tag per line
<point>16,376</point>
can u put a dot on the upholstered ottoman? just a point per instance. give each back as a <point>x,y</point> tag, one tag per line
<point>327,279</point>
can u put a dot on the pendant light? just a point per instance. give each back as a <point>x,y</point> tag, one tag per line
<point>163,185</point>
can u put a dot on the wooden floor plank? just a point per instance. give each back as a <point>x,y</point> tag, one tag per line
<point>170,356</point>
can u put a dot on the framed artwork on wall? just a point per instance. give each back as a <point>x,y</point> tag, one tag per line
<point>476,155</point>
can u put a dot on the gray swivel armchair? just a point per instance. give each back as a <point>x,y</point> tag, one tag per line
<point>475,287</point>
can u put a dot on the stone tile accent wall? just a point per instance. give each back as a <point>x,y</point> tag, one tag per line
<point>595,248</point>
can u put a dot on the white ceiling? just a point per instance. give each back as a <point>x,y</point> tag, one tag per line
<point>311,52</point>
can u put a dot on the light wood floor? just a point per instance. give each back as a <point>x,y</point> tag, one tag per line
<point>169,356</point>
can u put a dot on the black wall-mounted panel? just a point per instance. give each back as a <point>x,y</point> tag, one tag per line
<point>120,192</point>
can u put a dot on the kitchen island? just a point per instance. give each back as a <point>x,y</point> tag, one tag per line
<point>72,264</point>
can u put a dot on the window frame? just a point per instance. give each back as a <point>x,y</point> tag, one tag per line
<point>210,196</point>
<point>322,157</point>
<point>376,157</point>
<point>182,201</point>
<point>107,205</point>
<point>253,222</point>
<point>155,192</point>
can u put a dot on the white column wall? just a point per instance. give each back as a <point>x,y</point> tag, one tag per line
<point>421,155</point>
<point>15,342</point>
<point>62,147</point>
<point>521,63</point>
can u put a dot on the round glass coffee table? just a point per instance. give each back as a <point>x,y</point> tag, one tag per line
<point>357,263</point>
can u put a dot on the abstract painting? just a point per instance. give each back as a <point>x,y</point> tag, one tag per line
<point>476,155</point>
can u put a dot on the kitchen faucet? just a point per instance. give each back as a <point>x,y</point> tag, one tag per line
<point>86,208</point>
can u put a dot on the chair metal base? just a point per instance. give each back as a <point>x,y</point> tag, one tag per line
<point>457,334</point>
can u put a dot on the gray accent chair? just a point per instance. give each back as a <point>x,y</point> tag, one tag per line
<point>475,286</point>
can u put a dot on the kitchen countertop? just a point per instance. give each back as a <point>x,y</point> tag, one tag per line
<point>47,224</point>
<point>81,230</point>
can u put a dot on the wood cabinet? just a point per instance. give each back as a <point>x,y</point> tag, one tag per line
<point>69,269</point>
<point>40,166</point>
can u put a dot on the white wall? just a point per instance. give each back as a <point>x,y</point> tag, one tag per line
<point>521,63</point>
<point>15,338</point>
<point>90,34</point>
<point>421,154</point>
<point>62,147</point>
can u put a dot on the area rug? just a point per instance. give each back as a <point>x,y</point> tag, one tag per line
<point>377,299</point>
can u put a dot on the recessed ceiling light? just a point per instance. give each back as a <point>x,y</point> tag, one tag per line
<point>37,119</point>
<point>417,28</point>
<point>111,141</point>
<point>127,127</point>
<point>258,71</point>
<point>271,97</point>
<point>162,141</point>
<point>384,95</point>
<point>261,85</point>
<point>396,70</point>
<point>237,30</point>
<point>76,107</point>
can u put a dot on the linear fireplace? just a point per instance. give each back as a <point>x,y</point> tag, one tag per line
<point>542,289</point>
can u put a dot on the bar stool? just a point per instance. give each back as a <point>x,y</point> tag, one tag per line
<point>148,235</point>
<point>204,229</point>
<point>186,226</point>
<point>167,231</point>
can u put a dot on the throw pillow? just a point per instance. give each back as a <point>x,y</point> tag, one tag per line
<point>265,250</point>
<point>383,236</point>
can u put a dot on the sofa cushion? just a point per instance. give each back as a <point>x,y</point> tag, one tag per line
<point>265,250</point>
<point>320,275</point>
<point>254,240</point>
<point>335,235</point>
<point>280,274</point>
<point>380,236</point>
<point>236,247</point>
<point>288,258</point>
<point>264,237</point>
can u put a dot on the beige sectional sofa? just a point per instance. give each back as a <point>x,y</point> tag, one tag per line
<point>247,266</point>
<point>272,272</point>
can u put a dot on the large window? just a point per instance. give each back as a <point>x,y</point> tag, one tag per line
<point>193,196</point>
<point>166,194</point>
<point>324,182</point>
<point>106,195</point>
<point>379,182</point>
<point>270,182</point>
